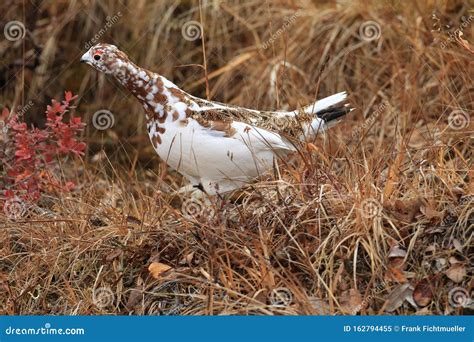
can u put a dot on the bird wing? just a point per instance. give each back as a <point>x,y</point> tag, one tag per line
<point>221,116</point>
<point>297,123</point>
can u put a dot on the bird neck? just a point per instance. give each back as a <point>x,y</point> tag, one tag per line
<point>154,92</point>
<point>131,76</point>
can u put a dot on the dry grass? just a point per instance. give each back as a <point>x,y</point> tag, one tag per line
<point>382,203</point>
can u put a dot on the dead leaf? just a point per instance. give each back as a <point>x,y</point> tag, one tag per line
<point>407,210</point>
<point>456,272</point>
<point>319,306</point>
<point>396,298</point>
<point>397,251</point>
<point>428,209</point>
<point>410,300</point>
<point>134,298</point>
<point>133,220</point>
<point>457,245</point>
<point>453,260</point>
<point>261,296</point>
<point>414,207</point>
<point>114,254</point>
<point>396,263</point>
<point>157,269</point>
<point>351,301</point>
<point>423,293</point>
<point>440,263</point>
<point>395,274</point>
<point>187,259</point>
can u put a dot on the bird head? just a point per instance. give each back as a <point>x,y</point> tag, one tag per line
<point>104,57</point>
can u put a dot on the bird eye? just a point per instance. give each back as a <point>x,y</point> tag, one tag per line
<point>96,57</point>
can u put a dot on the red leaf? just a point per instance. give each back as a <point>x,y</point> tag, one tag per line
<point>5,113</point>
<point>423,293</point>
<point>68,96</point>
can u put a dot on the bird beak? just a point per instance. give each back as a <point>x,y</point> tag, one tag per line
<point>86,58</point>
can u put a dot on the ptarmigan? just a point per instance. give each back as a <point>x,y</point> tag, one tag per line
<point>217,147</point>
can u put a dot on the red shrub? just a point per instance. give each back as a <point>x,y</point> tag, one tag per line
<point>30,155</point>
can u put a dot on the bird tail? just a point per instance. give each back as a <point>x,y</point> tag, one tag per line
<point>328,111</point>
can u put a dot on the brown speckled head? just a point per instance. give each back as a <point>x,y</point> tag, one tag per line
<point>145,85</point>
<point>104,57</point>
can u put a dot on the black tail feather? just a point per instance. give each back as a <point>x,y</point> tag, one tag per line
<point>333,113</point>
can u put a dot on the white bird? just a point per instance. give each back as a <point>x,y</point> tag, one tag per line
<point>217,147</point>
